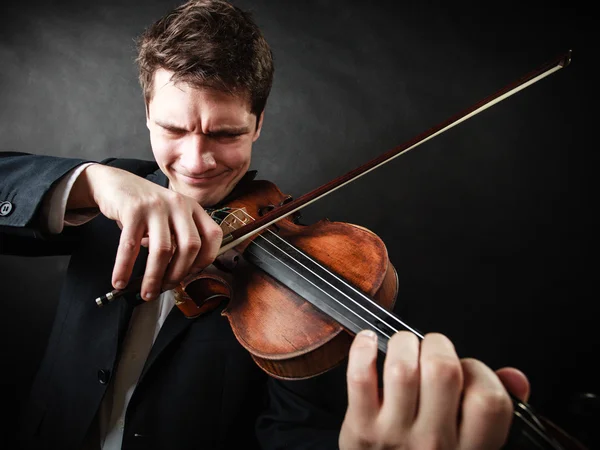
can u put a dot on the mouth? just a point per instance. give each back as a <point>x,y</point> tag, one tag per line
<point>202,179</point>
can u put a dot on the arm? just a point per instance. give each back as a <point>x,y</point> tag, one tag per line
<point>181,237</point>
<point>25,180</point>
<point>27,184</point>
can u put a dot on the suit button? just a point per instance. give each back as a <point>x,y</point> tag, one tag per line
<point>5,208</point>
<point>103,376</point>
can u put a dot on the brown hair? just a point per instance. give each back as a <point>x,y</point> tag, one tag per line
<point>208,43</point>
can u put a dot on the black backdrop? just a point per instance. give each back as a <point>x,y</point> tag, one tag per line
<point>490,226</point>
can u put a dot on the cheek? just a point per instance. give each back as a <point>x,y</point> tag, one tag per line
<point>238,157</point>
<point>163,150</point>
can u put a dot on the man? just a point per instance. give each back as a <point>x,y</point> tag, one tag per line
<point>147,377</point>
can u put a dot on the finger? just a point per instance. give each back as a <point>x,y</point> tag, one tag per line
<point>160,251</point>
<point>486,408</point>
<point>188,243</point>
<point>401,383</point>
<point>439,392</point>
<point>363,391</point>
<point>127,252</point>
<point>211,236</point>
<point>515,381</point>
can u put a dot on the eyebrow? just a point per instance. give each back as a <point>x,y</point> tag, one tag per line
<point>220,130</point>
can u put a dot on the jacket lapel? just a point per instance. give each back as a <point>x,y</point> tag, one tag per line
<point>175,324</point>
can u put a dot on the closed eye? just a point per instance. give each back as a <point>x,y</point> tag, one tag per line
<point>223,135</point>
<point>172,131</point>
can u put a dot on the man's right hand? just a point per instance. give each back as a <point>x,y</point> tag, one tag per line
<point>181,237</point>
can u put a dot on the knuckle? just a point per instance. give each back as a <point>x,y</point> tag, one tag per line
<point>359,372</point>
<point>151,280</point>
<point>443,369</point>
<point>432,441</point>
<point>494,404</point>
<point>177,198</point>
<point>162,249</point>
<point>179,202</point>
<point>191,245</point>
<point>152,201</point>
<point>366,441</point>
<point>363,437</point>
<point>213,232</point>
<point>403,372</point>
<point>358,378</point>
<point>173,197</point>
<point>128,245</point>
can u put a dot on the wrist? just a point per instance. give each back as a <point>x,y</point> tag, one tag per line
<point>82,192</point>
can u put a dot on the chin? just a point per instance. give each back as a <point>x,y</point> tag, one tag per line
<point>206,196</point>
<point>206,199</point>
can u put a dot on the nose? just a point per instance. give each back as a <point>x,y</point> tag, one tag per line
<point>198,156</point>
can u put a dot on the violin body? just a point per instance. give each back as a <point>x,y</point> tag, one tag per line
<point>287,336</point>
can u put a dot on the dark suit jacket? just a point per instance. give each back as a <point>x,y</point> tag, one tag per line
<point>199,389</point>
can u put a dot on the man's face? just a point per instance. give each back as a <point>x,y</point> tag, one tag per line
<point>201,138</point>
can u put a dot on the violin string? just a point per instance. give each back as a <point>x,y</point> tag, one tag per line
<point>358,326</point>
<point>333,297</point>
<point>341,280</point>
<point>261,238</point>
<point>335,300</point>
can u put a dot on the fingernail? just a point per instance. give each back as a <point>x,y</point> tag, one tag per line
<point>120,284</point>
<point>368,334</point>
<point>149,295</point>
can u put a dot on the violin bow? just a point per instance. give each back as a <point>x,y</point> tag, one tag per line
<point>243,233</point>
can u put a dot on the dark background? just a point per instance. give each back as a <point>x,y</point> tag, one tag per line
<point>490,225</point>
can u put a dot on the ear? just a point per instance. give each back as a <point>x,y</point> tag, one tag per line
<point>147,116</point>
<point>259,126</point>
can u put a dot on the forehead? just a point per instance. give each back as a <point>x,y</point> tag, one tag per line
<point>179,97</point>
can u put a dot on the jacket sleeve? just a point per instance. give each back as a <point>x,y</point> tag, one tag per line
<point>304,414</point>
<point>24,181</point>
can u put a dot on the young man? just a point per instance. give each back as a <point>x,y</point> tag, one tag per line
<point>146,376</point>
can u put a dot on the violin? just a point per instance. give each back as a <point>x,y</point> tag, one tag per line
<point>296,294</point>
